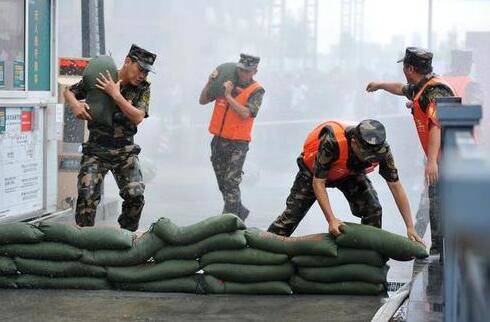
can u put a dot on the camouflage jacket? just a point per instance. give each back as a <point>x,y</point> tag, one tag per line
<point>429,94</point>
<point>123,129</point>
<point>255,100</point>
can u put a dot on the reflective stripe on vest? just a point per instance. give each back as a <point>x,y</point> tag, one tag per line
<point>420,117</point>
<point>227,123</point>
<point>338,170</point>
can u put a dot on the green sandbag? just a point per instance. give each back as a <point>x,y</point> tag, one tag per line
<point>301,286</point>
<point>152,272</point>
<point>43,250</point>
<point>344,256</point>
<point>19,233</point>
<point>390,245</point>
<point>247,256</point>
<point>317,244</point>
<point>7,266</point>
<point>234,240</point>
<point>175,235</point>
<point>345,273</point>
<point>8,281</point>
<point>143,249</point>
<point>102,106</point>
<point>91,238</point>
<point>58,269</point>
<point>83,283</point>
<point>250,273</point>
<point>188,284</point>
<point>226,72</point>
<point>216,286</point>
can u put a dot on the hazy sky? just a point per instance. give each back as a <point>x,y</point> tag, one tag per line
<point>384,19</point>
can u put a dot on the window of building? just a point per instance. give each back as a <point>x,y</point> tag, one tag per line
<point>12,45</point>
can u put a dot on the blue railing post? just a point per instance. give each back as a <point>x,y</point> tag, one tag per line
<point>465,201</point>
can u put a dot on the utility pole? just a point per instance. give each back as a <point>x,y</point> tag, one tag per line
<point>351,30</point>
<point>276,16</point>
<point>310,21</point>
<point>93,29</point>
<point>429,29</point>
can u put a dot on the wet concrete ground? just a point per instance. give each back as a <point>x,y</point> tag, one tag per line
<point>426,295</point>
<point>74,305</point>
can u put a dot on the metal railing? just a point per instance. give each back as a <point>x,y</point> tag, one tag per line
<point>465,205</point>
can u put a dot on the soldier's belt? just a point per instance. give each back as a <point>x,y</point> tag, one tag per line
<point>110,142</point>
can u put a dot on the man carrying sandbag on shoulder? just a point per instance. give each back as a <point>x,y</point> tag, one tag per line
<point>339,155</point>
<point>116,102</point>
<point>237,99</point>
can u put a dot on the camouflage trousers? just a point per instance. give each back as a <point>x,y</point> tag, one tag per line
<point>422,216</point>
<point>429,212</point>
<point>435,221</point>
<point>127,174</point>
<point>227,158</point>
<point>359,191</point>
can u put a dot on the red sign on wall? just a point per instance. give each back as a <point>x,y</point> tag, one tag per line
<point>26,121</point>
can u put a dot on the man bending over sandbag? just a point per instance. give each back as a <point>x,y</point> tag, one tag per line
<point>336,154</point>
<point>116,102</point>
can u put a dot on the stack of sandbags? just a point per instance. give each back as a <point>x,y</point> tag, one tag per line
<point>220,246</point>
<point>142,250</point>
<point>360,265</point>
<point>216,255</point>
<point>176,263</point>
<point>352,271</point>
<point>264,266</point>
<point>12,234</point>
<point>222,232</point>
<point>51,259</point>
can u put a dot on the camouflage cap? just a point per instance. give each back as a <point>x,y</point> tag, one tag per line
<point>248,62</point>
<point>418,57</point>
<point>371,135</point>
<point>143,57</point>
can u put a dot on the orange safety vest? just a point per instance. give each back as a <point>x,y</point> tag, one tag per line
<point>226,123</point>
<point>420,117</point>
<point>338,169</point>
<point>458,84</point>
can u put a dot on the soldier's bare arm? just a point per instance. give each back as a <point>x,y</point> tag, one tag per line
<point>403,205</point>
<point>79,108</point>
<point>324,202</point>
<point>203,98</point>
<point>391,87</point>
<point>107,84</point>
<point>431,168</point>
<point>241,110</point>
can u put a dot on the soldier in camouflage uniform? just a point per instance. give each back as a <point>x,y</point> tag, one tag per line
<point>422,89</point>
<point>340,158</point>
<point>231,126</point>
<point>113,148</point>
